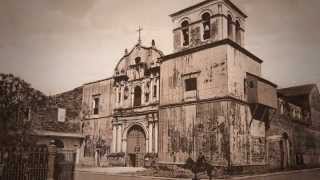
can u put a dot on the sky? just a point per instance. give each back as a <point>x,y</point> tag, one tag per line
<point>57,45</point>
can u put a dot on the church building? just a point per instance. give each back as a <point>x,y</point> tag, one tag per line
<point>206,98</point>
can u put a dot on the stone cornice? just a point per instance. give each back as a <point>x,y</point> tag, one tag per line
<point>210,45</point>
<point>228,2</point>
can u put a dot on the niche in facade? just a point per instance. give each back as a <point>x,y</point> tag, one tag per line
<point>137,96</point>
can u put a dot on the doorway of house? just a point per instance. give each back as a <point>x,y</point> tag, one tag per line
<point>136,146</point>
<point>285,151</point>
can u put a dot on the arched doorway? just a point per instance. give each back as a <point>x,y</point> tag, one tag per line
<point>136,146</point>
<point>285,151</point>
<point>137,96</point>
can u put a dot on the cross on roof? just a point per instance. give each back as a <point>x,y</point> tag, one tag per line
<point>139,30</point>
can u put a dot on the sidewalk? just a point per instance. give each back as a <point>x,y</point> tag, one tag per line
<point>122,172</point>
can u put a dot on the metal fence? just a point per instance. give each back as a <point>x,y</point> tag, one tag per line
<point>23,163</point>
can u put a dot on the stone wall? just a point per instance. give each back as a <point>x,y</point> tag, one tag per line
<point>303,138</point>
<point>314,100</point>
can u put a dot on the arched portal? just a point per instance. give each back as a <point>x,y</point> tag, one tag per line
<point>136,146</point>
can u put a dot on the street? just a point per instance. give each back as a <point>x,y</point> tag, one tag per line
<point>295,175</point>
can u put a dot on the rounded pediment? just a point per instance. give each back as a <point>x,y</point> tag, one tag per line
<point>139,57</point>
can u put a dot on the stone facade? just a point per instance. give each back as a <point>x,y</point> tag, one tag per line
<point>127,107</point>
<point>208,97</point>
<point>96,125</point>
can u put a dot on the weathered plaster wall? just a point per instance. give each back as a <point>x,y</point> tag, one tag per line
<point>278,126</point>
<point>210,68</point>
<point>238,65</point>
<point>97,128</point>
<point>314,100</point>
<point>102,89</point>
<point>247,136</point>
<point>219,130</point>
<point>193,129</point>
<point>97,140</point>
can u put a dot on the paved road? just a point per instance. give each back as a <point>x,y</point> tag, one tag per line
<point>308,175</point>
<point>304,175</point>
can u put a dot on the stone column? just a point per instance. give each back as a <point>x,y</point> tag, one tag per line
<point>147,144</point>
<point>132,97</point>
<point>119,139</point>
<point>52,151</point>
<point>152,99</point>
<point>122,97</point>
<point>150,137</point>
<point>78,150</point>
<point>117,96</point>
<point>158,89</point>
<point>124,145</point>
<point>156,137</point>
<point>142,94</point>
<point>114,139</point>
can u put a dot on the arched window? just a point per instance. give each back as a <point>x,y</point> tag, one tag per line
<point>238,32</point>
<point>185,32</point>
<point>230,31</point>
<point>206,26</point>
<point>137,96</point>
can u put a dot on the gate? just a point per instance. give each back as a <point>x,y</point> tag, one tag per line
<point>24,163</point>
<point>64,164</point>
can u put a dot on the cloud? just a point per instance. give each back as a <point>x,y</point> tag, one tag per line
<point>59,44</point>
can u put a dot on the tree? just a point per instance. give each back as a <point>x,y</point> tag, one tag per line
<point>17,101</point>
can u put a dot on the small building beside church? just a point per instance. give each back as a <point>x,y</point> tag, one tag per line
<point>208,97</point>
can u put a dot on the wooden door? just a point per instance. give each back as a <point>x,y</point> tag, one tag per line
<point>136,146</point>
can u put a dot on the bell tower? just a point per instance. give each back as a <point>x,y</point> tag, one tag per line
<point>206,22</point>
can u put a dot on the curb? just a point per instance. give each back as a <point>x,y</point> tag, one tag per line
<point>124,175</point>
<point>274,174</point>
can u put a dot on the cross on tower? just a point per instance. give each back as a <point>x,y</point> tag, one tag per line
<point>139,31</point>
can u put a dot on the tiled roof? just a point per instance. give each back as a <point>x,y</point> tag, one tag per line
<point>297,90</point>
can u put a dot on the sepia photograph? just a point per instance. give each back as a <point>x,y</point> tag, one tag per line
<point>159,89</point>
